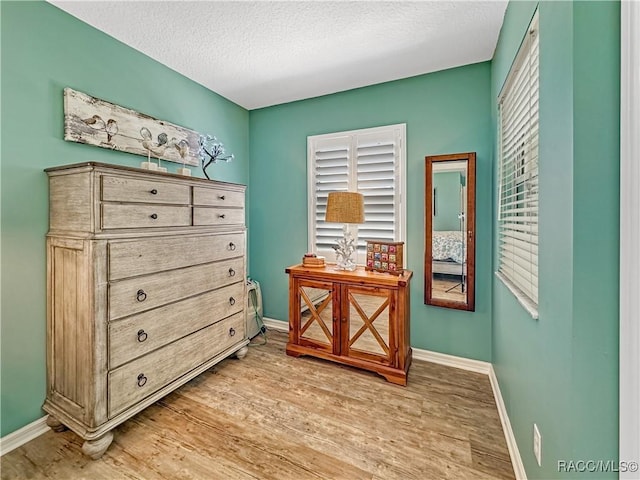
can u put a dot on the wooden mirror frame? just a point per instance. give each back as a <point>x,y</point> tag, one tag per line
<point>470,248</point>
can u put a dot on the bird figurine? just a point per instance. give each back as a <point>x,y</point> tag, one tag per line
<point>162,139</point>
<point>158,148</point>
<point>147,139</point>
<point>145,133</point>
<point>183,149</point>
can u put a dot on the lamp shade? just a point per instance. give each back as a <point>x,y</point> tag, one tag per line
<point>345,207</point>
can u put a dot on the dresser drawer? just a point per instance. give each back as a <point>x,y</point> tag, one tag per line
<point>142,215</point>
<point>136,380</point>
<point>124,189</point>
<point>217,197</point>
<point>218,216</point>
<point>134,295</point>
<point>140,257</point>
<point>135,336</point>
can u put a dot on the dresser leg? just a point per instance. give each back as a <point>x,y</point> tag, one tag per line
<point>240,354</point>
<point>55,424</point>
<point>95,448</point>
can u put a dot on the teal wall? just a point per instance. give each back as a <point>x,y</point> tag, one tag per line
<point>561,371</point>
<point>596,192</point>
<point>445,112</point>
<point>43,51</point>
<point>448,202</point>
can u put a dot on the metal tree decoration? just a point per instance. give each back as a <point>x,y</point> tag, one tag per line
<point>211,151</point>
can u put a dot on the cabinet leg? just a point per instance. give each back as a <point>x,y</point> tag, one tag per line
<point>95,448</point>
<point>55,424</point>
<point>397,379</point>
<point>240,354</point>
<point>290,350</point>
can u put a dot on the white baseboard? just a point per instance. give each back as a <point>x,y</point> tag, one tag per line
<point>20,437</point>
<point>274,324</point>
<point>514,453</point>
<point>476,366</point>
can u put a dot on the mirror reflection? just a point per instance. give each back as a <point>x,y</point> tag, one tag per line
<point>450,225</point>
<point>369,323</point>
<point>316,315</point>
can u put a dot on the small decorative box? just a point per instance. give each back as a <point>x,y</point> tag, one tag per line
<point>384,256</point>
<point>312,260</point>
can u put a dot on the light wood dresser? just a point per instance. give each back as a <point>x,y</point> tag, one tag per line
<point>357,318</point>
<point>145,290</point>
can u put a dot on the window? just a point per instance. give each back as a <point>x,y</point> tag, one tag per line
<point>518,174</point>
<point>370,161</point>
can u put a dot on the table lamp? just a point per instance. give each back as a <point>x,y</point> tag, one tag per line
<point>346,208</point>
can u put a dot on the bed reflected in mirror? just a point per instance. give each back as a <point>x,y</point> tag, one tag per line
<point>450,231</point>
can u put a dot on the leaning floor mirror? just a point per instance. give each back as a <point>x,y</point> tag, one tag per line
<point>450,221</point>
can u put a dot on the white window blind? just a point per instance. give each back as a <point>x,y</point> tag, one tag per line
<point>518,172</point>
<point>369,161</point>
<point>330,172</point>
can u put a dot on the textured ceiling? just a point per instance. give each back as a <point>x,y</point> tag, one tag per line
<point>261,53</point>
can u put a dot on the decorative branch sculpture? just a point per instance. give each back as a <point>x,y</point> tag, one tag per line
<point>344,248</point>
<point>211,151</point>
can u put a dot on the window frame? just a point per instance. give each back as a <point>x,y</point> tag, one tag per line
<point>399,132</point>
<point>524,171</point>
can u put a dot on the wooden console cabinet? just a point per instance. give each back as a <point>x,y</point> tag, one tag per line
<point>145,290</point>
<point>357,318</point>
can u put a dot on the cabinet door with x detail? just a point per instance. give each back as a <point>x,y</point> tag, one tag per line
<point>316,314</point>
<point>367,313</point>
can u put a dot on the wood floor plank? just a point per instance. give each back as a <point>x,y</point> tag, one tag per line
<point>274,417</point>
<point>262,454</point>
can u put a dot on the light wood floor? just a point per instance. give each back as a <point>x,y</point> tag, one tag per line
<point>448,287</point>
<point>270,416</point>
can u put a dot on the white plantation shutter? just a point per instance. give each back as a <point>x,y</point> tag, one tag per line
<point>376,161</point>
<point>369,161</point>
<point>330,173</point>
<point>518,202</point>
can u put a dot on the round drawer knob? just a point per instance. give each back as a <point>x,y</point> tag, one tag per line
<point>141,295</point>
<point>232,246</point>
<point>142,380</point>
<point>142,336</point>
<point>232,272</point>
<point>232,301</point>
<point>232,332</point>
<point>154,192</point>
<point>154,216</point>
<point>221,197</point>
<point>221,215</point>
